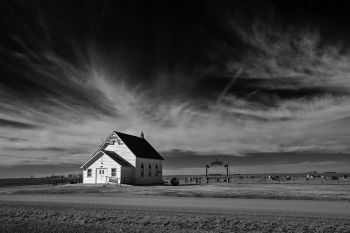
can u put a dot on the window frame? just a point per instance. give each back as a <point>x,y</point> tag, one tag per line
<point>115,172</point>
<point>149,170</point>
<point>142,170</point>
<point>89,172</point>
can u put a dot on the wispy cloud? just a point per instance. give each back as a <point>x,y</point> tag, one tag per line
<point>281,94</point>
<point>16,124</point>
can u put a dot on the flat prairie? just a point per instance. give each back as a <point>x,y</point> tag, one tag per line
<point>282,191</point>
<point>63,217</point>
<point>93,208</point>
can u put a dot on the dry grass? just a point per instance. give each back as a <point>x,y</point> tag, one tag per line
<point>219,190</point>
<point>16,218</point>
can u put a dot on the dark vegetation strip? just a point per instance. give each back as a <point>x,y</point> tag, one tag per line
<point>51,218</point>
<point>182,193</point>
<point>38,181</point>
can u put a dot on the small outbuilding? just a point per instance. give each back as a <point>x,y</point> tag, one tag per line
<point>126,159</point>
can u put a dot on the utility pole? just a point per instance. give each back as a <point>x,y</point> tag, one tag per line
<point>227,175</point>
<point>206,172</point>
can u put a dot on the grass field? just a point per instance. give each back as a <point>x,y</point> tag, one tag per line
<point>64,218</point>
<point>219,190</point>
<point>186,208</point>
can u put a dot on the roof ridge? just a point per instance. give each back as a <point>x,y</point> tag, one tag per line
<point>117,132</point>
<point>139,146</point>
<point>119,156</point>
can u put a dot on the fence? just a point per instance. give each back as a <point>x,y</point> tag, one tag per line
<point>113,180</point>
<point>39,181</point>
<point>262,180</point>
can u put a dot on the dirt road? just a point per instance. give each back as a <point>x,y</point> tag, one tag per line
<point>189,203</point>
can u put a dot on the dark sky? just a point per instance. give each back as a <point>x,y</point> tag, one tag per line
<point>202,79</point>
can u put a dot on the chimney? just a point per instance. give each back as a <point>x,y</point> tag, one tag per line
<point>142,135</point>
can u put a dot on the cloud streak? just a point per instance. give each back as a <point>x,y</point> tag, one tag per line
<point>287,91</point>
<point>15,124</point>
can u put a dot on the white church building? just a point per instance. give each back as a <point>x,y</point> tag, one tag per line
<point>126,159</point>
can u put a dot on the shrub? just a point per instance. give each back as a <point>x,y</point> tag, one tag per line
<point>174,181</point>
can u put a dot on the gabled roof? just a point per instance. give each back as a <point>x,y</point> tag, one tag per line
<point>122,162</point>
<point>118,158</point>
<point>139,146</point>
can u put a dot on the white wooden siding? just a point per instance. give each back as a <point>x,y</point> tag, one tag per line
<point>146,179</point>
<point>123,151</point>
<point>128,175</point>
<point>103,162</point>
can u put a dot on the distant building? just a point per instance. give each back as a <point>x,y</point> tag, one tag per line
<point>124,158</point>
